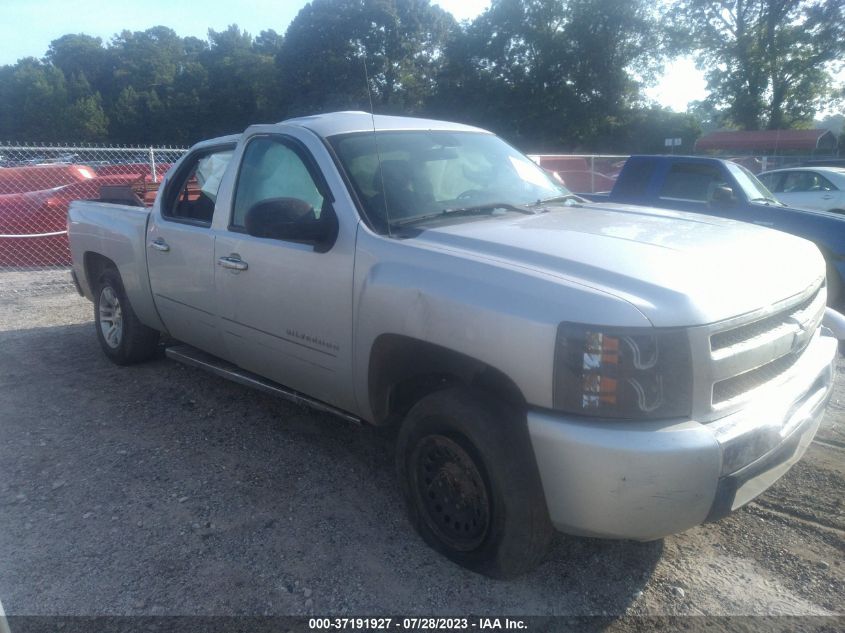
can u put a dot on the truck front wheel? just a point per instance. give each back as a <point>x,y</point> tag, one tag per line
<point>124,339</point>
<point>470,482</point>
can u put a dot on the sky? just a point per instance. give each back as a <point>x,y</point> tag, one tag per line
<point>28,26</point>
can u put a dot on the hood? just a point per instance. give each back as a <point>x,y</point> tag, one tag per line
<point>678,269</point>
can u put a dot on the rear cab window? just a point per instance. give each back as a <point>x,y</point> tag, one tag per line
<point>692,182</point>
<point>192,194</point>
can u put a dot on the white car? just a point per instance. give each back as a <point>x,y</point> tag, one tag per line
<point>818,188</point>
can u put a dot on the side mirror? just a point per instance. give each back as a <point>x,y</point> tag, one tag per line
<point>290,219</point>
<point>723,196</point>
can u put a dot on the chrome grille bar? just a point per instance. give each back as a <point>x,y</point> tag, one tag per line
<point>750,355</point>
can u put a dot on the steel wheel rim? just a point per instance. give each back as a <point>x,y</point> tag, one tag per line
<point>451,492</point>
<point>110,317</point>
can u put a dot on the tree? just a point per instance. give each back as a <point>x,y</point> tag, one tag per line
<point>708,115</point>
<point>85,119</point>
<point>765,60</point>
<point>268,42</point>
<point>557,72</point>
<point>82,55</point>
<point>241,81</point>
<point>322,56</point>
<point>644,131</point>
<point>34,96</point>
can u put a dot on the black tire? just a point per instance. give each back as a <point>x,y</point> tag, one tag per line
<point>463,453</point>
<point>124,339</point>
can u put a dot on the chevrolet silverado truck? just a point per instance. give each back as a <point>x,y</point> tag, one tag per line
<point>726,189</point>
<point>600,369</point>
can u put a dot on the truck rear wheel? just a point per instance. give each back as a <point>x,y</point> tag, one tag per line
<point>124,339</point>
<point>470,482</point>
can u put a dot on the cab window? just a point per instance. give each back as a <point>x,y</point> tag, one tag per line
<point>194,192</point>
<point>273,169</point>
<point>805,181</point>
<point>692,182</point>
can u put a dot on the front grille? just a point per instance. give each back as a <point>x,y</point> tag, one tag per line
<point>731,388</point>
<point>751,355</point>
<point>743,333</point>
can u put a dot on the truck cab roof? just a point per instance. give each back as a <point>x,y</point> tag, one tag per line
<point>348,122</point>
<point>334,123</point>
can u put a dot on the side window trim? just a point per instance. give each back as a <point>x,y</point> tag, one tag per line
<point>302,152</point>
<point>174,185</point>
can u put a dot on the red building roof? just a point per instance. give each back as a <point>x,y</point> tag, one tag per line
<point>767,141</point>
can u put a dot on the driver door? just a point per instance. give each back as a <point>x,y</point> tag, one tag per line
<point>286,306</point>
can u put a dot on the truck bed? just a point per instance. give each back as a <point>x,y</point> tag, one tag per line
<point>116,232</point>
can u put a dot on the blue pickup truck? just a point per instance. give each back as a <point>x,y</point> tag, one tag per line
<point>726,189</point>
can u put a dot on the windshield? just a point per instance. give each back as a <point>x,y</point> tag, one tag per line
<point>753,188</point>
<point>415,174</point>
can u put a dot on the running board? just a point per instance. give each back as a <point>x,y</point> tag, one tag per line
<point>194,357</point>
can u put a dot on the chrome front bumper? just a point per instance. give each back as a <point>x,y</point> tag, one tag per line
<point>645,480</point>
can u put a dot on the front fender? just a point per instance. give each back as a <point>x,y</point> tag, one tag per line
<point>504,316</point>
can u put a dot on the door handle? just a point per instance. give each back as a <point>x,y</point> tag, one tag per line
<point>159,245</point>
<point>827,197</point>
<point>233,263</point>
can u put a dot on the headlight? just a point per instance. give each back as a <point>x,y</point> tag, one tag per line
<point>622,372</point>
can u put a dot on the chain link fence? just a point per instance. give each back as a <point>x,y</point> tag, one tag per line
<point>38,183</point>
<point>583,173</point>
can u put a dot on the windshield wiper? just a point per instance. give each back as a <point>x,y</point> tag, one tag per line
<point>565,198</point>
<point>767,200</point>
<point>492,206</point>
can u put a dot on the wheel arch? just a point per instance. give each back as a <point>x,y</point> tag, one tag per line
<point>403,369</point>
<point>133,276</point>
<point>94,264</point>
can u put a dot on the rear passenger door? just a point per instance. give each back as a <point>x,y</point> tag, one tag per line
<point>804,189</point>
<point>180,249</point>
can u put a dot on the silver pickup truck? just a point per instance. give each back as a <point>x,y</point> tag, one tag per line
<point>602,369</point>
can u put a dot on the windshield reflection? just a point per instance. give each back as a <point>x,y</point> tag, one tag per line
<point>751,186</point>
<point>399,176</point>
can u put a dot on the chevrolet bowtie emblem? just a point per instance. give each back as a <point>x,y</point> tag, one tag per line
<point>801,337</point>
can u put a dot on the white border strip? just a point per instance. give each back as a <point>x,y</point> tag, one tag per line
<point>4,624</point>
<point>32,235</point>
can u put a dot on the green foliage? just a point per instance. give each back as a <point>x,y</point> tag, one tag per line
<point>85,119</point>
<point>321,61</point>
<point>549,72</point>
<point>644,130</point>
<point>34,95</point>
<point>551,75</point>
<point>240,82</point>
<point>765,60</point>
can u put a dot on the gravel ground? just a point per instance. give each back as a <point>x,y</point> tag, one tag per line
<point>158,489</point>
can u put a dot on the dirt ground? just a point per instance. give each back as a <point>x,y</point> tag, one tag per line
<point>158,489</point>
